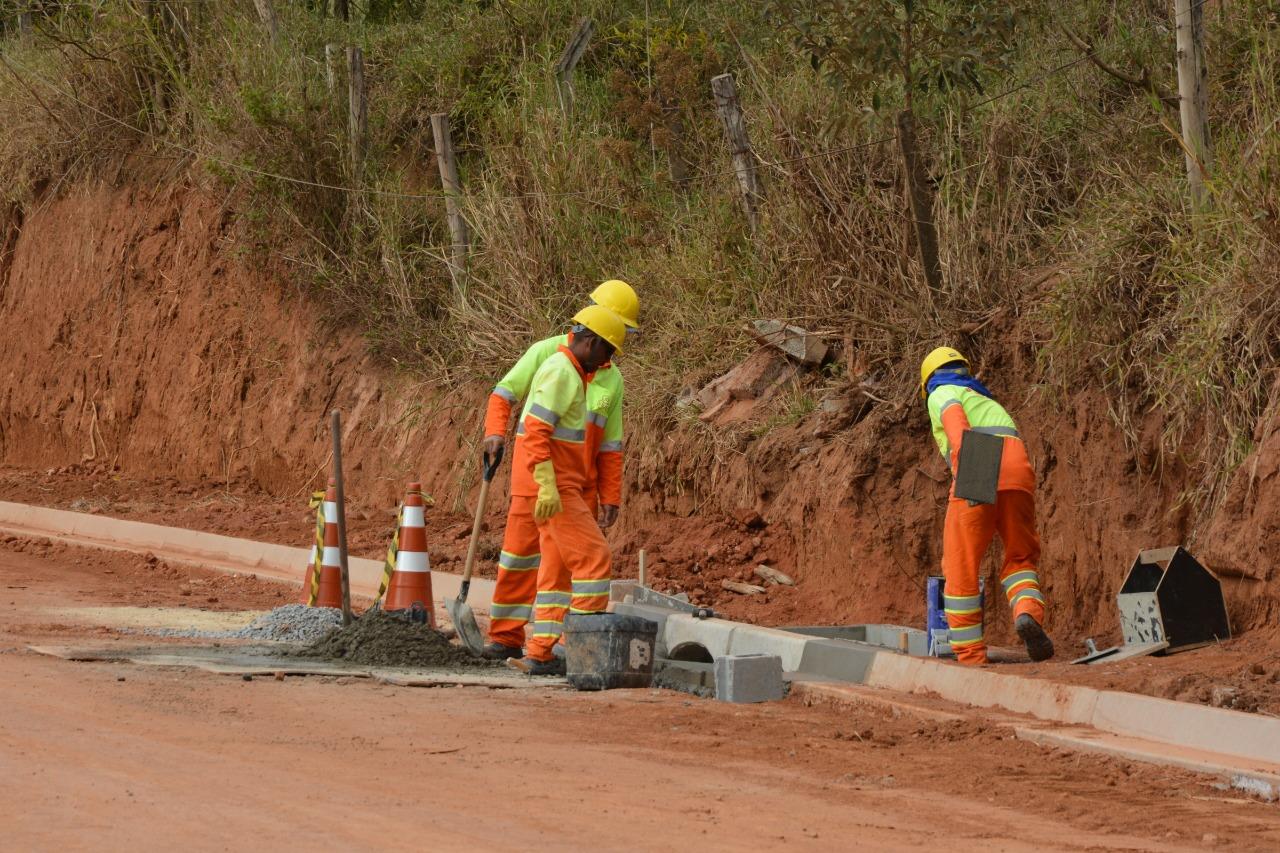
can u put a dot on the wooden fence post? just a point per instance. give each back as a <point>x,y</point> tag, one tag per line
<point>332,56</point>
<point>1192,95</point>
<point>452,200</point>
<point>735,132</point>
<point>267,13</point>
<point>568,61</point>
<point>357,110</point>
<point>921,201</point>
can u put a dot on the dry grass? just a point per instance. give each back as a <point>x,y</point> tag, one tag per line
<point>1174,310</point>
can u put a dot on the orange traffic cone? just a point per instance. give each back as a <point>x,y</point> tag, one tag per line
<point>328,587</point>
<point>410,584</point>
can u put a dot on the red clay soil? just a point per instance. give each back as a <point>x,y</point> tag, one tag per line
<point>126,754</point>
<point>151,365</point>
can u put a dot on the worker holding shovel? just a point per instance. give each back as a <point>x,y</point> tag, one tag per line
<point>993,492</point>
<point>520,558</point>
<point>576,565</point>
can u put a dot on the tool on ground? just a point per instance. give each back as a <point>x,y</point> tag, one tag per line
<point>458,609</point>
<point>336,421</point>
<point>978,469</point>
<point>409,587</point>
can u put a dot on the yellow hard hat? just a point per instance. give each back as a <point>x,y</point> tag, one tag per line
<point>616,295</point>
<point>934,360</point>
<point>604,323</point>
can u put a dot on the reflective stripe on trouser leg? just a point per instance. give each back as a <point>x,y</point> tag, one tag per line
<point>574,547</point>
<point>967,533</point>
<point>553,598</point>
<point>517,582</point>
<point>1016,524</point>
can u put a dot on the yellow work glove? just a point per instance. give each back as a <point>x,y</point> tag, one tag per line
<point>544,474</point>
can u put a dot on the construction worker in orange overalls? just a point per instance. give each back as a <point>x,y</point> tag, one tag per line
<point>958,401</point>
<point>518,563</point>
<point>576,565</point>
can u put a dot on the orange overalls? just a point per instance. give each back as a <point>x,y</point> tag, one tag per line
<point>969,529</point>
<point>518,563</point>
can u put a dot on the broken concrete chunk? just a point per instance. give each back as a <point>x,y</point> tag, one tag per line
<point>734,396</point>
<point>769,573</point>
<point>741,588</point>
<point>804,347</point>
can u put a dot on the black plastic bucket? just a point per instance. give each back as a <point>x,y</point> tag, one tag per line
<point>604,651</point>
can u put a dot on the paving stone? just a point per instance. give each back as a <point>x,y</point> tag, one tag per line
<point>748,678</point>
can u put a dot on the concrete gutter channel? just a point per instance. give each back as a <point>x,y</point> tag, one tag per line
<point>1242,748</point>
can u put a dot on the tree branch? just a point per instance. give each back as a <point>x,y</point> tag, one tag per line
<point>1143,83</point>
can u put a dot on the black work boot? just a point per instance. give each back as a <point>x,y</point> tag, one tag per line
<point>497,651</point>
<point>529,666</point>
<point>1039,646</point>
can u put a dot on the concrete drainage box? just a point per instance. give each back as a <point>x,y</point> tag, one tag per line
<point>897,638</point>
<point>1169,597</point>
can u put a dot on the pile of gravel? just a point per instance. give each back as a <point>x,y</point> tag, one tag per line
<point>380,639</point>
<point>291,623</point>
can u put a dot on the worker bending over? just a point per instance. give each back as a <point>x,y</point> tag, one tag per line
<point>958,401</point>
<point>575,567</point>
<point>520,558</point>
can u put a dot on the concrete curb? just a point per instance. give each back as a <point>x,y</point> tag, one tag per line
<point>1199,727</point>
<point>226,553</point>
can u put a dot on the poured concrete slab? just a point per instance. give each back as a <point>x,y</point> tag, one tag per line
<point>265,661</point>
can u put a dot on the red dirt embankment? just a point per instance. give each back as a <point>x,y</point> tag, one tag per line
<point>139,338</point>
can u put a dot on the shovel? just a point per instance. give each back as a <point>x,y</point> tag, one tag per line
<point>458,609</point>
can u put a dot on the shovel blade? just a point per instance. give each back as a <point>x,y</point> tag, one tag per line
<point>465,623</point>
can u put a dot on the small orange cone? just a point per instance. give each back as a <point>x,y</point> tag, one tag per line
<point>410,583</point>
<point>328,587</point>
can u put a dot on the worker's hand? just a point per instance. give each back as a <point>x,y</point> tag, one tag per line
<point>548,502</point>
<point>608,515</point>
<point>492,444</point>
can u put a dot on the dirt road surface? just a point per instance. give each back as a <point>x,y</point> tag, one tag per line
<point>114,756</point>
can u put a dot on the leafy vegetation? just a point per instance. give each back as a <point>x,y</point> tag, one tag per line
<point>1060,192</point>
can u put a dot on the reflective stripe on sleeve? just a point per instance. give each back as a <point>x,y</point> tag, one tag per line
<point>504,394</point>
<point>597,418</point>
<point>611,447</point>
<point>544,414</point>
<point>573,436</point>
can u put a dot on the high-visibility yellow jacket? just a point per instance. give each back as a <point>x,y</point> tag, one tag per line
<point>955,408</point>
<point>602,449</point>
<point>553,424</point>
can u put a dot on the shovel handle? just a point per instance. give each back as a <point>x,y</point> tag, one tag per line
<point>489,468</point>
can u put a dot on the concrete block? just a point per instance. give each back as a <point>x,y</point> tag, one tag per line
<point>685,676</point>
<point>748,678</point>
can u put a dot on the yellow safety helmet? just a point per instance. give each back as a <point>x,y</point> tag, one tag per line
<point>604,323</point>
<point>934,360</point>
<point>616,295</point>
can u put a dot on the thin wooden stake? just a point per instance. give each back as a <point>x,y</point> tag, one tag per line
<point>568,61</point>
<point>336,425</point>
<point>332,58</point>
<point>644,568</point>
<point>735,132</point>
<point>921,201</point>
<point>267,13</point>
<point>1193,102</point>
<point>452,184</point>
<point>357,110</point>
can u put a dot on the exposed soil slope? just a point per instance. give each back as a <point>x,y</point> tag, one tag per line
<point>139,337</point>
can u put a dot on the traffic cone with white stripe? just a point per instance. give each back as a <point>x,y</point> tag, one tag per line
<point>328,583</point>
<point>410,584</point>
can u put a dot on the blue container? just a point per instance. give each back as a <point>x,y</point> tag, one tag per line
<point>935,614</point>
